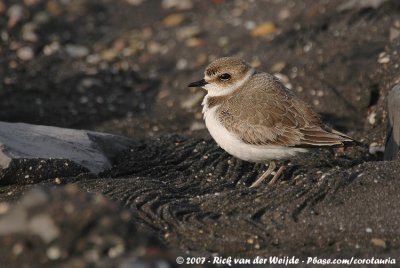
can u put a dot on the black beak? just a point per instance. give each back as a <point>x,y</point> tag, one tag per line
<point>199,83</point>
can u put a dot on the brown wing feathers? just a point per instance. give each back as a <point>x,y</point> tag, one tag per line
<point>275,117</point>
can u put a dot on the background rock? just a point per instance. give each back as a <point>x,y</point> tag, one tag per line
<point>32,149</point>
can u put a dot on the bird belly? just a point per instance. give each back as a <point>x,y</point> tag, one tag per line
<point>248,152</point>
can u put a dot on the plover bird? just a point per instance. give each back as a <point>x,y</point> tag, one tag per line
<point>254,117</point>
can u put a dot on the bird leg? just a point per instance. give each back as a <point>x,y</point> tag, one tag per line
<point>277,175</point>
<point>271,168</point>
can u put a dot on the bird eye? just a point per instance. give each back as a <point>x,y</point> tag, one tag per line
<point>224,77</point>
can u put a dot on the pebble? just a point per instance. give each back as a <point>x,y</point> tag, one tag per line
<point>154,47</point>
<point>194,42</point>
<point>178,4</point>
<point>173,20</point>
<point>249,25</point>
<point>17,249</point>
<point>383,58</point>
<point>278,67</point>
<point>51,48</point>
<point>25,53</point>
<point>28,32</point>
<point>372,117</point>
<point>93,59</point>
<point>264,29</point>
<point>187,32</point>
<point>375,148</point>
<point>76,51</point>
<point>378,242</point>
<point>15,13</point>
<point>284,14</point>
<point>53,253</point>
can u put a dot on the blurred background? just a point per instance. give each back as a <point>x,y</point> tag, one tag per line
<point>122,66</point>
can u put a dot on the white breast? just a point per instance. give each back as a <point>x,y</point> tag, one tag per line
<point>234,146</point>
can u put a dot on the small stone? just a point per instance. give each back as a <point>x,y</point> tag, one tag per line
<point>15,14</point>
<point>108,54</point>
<point>173,20</point>
<point>383,58</point>
<point>153,47</point>
<point>378,242</point>
<point>17,249</point>
<point>264,29</point>
<point>76,51</point>
<point>25,53</point>
<point>93,59</point>
<point>278,67</point>
<point>51,48</point>
<point>368,230</point>
<point>307,47</point>
<point>194,42</point>
<point>375,148</point>
<point>284,14</point>
<point>372,117</point>
<point>178,4</point>
<point>28,32</point>
<point>249,25</point>
<point>187,32</point>
<point>116,251</point>
<point>53,253</point>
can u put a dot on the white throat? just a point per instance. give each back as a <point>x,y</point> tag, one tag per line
<point>213,90</point>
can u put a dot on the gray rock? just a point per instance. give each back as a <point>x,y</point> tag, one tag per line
<point>91,150</point>
<point>393,133</point>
